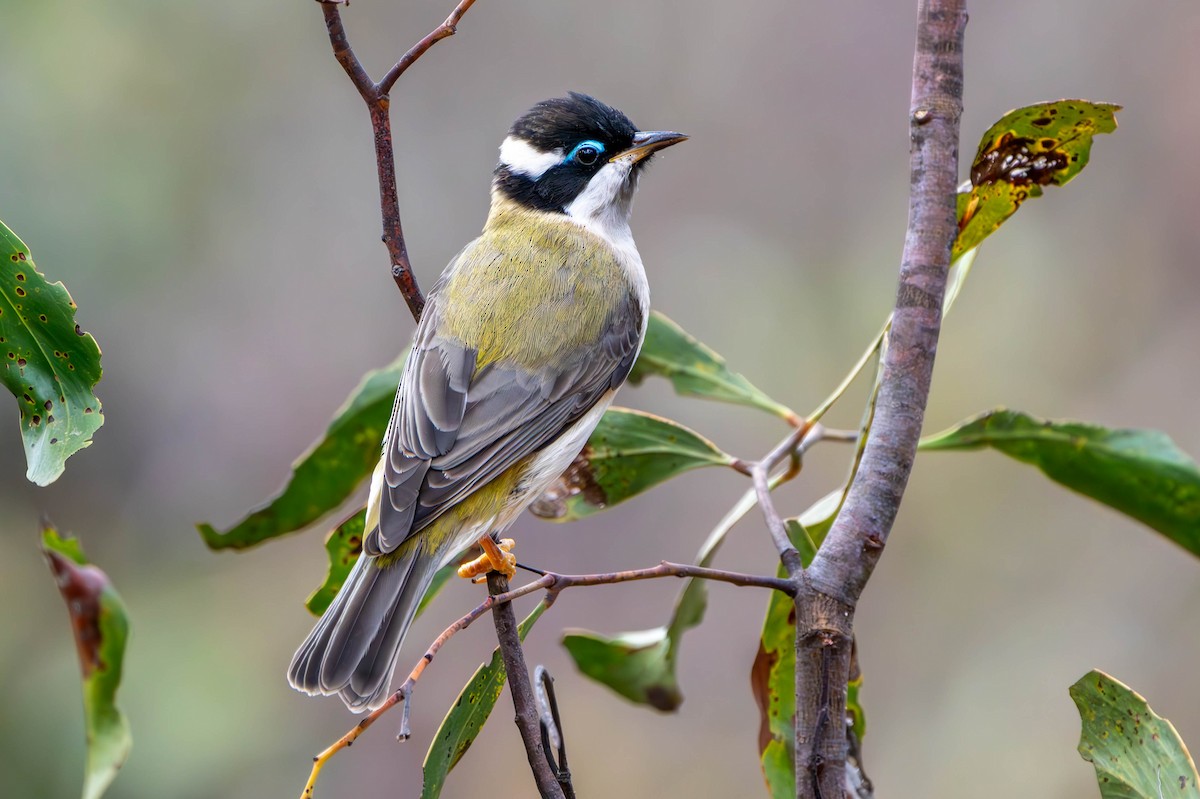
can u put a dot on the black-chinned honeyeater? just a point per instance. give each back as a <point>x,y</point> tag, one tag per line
<point>523,342</point>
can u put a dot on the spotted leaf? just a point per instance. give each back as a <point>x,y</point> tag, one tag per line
<point>46,360</point>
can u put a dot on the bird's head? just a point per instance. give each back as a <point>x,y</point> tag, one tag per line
<point>577,156</point>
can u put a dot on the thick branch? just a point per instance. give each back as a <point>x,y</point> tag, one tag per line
<point>830,587</point>
<point>853,546</point>
<point>524,702</point>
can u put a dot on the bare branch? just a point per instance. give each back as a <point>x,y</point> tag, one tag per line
<point>855,542</point>
<point>443,31</point>
<point>829,589</point>
<point>375,95</point>
<point>344,53</point>
<point>806,434</point>
<point>519,687</point>
<point>560,582</point>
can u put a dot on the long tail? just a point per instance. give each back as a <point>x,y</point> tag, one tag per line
<point>352,651</point>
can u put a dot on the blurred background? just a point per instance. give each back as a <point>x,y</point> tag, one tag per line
<point>200,174</point>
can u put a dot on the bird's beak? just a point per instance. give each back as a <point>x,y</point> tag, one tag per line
<point>647,142</point>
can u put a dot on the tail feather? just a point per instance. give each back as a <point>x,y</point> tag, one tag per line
<point>352,650</point>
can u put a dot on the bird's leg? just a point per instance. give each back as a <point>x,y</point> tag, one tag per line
<point>496,557</point>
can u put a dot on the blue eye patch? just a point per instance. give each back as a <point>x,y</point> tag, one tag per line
<point>585,159</point>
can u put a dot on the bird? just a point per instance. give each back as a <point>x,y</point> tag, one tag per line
<point>523,342</point>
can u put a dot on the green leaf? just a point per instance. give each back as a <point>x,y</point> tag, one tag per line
<point>1042,144</point>
<point>638,665</point>
<point>1138,472</point>
<point>628,453</point>
<point>99,620</point>
<point>49,364</point>
<point>328,473</point>
<point>773,678</point>
<point>344,545</point>
<point>695,370</point>
<point>466,716</point>
<point>1137,753</point>
<point>653,680</point>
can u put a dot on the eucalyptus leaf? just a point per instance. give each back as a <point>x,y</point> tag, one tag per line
<point>638,666</point>
<point>467,715</point>
<point>1138,472</point>
<point>101,628</point>
<point>1038,145</point>
<point>628,453</point>
<point>48,363</point>
<point>327,474</point>
<point>695,370</point>
<point>1137,754</point>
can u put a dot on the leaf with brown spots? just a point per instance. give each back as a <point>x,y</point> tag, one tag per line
<point>49,364</point>
<point>628,453</point>
<point>1039,145</point>
<point>467,715</point>
<point>101,628</point>
<point>1137,754</point>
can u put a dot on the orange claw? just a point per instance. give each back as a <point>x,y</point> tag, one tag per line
<point>495,558</point>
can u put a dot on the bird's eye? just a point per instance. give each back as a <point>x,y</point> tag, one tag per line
<point>587,152</point>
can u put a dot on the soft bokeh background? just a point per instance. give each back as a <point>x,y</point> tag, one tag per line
<point>201,176</point>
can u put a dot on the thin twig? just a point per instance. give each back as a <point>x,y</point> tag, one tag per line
<point>375,95</point>
<point>794,446</point>
<point>553,583</point>
<point>403,694</point>
<point>552,731</point>
<point>446,29</point>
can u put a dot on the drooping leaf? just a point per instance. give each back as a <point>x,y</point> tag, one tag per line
<point>344,545</point>
<point>1138,472</point>
<point>1137,753</point>
<point>467,715</point>
<point>325,476</point>
<point>101,627</point>
<point>650,677</point>
<point>773,677</point>
<point>635,665</point>
<point>695,370</point>
<point>628,453</point>
<point>48,363</point>
<point>1031,147</point>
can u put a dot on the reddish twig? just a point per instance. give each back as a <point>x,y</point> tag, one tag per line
<point>375,95</point>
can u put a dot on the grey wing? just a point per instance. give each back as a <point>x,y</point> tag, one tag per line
<point>454,429</point>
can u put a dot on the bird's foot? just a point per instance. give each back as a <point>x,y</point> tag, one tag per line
<point>496,557</point>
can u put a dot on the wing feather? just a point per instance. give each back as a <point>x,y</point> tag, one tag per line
<point>457,426</point>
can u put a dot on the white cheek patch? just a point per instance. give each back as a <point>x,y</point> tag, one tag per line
<point>522,157</point>
<point>606,201</point>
